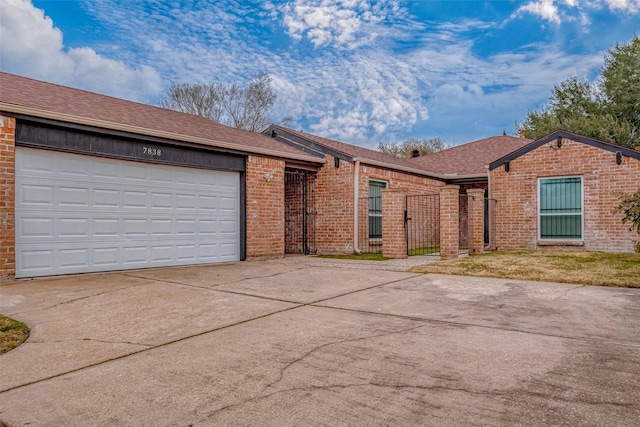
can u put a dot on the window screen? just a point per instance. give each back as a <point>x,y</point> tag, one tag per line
<point>560,202</point>
<point>375,209</point>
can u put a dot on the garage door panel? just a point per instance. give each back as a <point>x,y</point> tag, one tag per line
<point>162,201</point>
<point>228,249</point>
<point>37,164</point>
<point>134,172</point>
<point>74,228</point>
<point>114,219</point>
<point>32,261</point>
<point>186,252</point>
<point>186,202</point>
<point>74,258</point>
<point>34,228</point>
<point>228,204</point>
<point>106,256</point>
<point>72,167</point>
<point>106,198</point>
<point>208,203</point>
<point>106,227</point>
<point>162,253</point>
<point>73,196</point>
<point>134,199</point>
<point>162,227</point>
<point>35,194</point>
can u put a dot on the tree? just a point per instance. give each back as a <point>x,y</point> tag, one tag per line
<point>241,107</point>
<point>412,146</point>
<point>629,206</point>
<point>607,110</point>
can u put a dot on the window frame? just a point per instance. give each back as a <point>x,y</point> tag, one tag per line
<point>540,214</point>
<point>377,216</point>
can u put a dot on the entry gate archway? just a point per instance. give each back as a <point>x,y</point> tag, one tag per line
<point>299,212</point>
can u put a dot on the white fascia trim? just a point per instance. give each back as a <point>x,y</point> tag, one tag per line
<point>35,112</point>
<point>444,177</point>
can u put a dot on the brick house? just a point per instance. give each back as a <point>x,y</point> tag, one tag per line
<point>93,183</point>
<point>560,191</point>
<point>349,186</point>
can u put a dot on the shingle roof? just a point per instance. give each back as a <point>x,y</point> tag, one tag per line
<point>352,151</point>
<point>471,158</point>
<point>40,99</point>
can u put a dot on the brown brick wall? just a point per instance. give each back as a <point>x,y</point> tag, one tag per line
<point>476,238</point>
<point>449,221</point>
<point>394,244</point>
<point>7,197</point>
<point>334,204</point>
<point>516,193</point>
<point>265,208</point>
<point>334,200</point>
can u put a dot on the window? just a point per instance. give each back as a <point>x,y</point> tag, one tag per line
<point>560,208</point>
<point>375,208</point>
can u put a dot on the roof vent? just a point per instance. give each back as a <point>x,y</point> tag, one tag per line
<point>415,153</point>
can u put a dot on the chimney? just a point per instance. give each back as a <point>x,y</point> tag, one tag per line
<point>522,133</point>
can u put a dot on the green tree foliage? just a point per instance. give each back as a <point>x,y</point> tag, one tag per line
<point>232,105</point>
<point>412,145</point>
<point>629,207</point>
<point>608,110</point>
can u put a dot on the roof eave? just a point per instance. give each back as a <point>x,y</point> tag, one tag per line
<point>36,112</point>
<point>568,135</point>
<point>442,177</point>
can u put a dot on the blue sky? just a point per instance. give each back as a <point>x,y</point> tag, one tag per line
<point>353,70</point>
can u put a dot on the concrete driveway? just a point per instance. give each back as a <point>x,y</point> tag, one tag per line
<point>297,342</point>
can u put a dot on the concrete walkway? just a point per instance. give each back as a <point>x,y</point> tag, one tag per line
<point>297,342</point>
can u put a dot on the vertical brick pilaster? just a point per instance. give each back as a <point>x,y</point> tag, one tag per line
<point>7,197</point>
<point>394,242</point>
<point>265,207</point>
<point>449,221</point>
<point>476,210</point>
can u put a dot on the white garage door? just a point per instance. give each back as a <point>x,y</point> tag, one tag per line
<point>77,214</point>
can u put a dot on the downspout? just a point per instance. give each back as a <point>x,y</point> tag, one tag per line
<point>356,176</point>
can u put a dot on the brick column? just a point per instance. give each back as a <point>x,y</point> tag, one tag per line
<point>449,221</point>
<point>7,198</point>
<point>476,211</point>
<point>394,241</point>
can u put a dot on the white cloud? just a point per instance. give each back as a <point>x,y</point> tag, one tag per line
<point>340,23</point>
<point>359,93</point>
<point>557,11</point>
<point>632,6</point>
<point>32,46</point>
<point>545,9</point>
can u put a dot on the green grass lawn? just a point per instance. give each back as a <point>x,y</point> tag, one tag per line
<point>427,250</point>
<point>12,333</point>
<point>588,268</point>
<point>361,257</point>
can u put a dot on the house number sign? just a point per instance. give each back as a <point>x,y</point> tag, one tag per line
<point>153,152</point>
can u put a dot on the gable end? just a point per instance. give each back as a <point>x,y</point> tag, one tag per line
<point>568,135</point>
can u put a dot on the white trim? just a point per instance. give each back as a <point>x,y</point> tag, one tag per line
<point>442,177</point>
<point>386,183</point>
<point>356,184</point>
<point>560,240</point>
